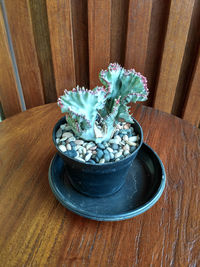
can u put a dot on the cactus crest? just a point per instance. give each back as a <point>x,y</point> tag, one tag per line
<point>93,114</point>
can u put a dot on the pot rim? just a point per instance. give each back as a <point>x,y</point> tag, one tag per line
<point>97,164</point>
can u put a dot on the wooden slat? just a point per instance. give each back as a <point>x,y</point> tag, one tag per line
<point>19,20</point>
<point>158,25</point>
<point>192,108</point>
<point>99,27</point>
<point>118,30</point>
<point>139,18</point>
<point>80,40</point>
<point>42,43</point>
<point>8,88</point>
<point>60,27</point>
<point>174,47</point>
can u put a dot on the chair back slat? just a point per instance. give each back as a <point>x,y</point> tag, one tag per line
<point>173,53</point>
<point>19,20</point>
<point>137,37</point>
<point>192,107</point>
<point>99,26</point>
<point>61,36</point>
<point>9,97</point>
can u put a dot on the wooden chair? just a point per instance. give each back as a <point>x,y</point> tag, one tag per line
<point>49,45</point>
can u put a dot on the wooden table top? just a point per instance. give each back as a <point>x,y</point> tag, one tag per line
<point>36,230</point>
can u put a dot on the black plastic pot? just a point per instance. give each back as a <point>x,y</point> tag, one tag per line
<point>97,180</point>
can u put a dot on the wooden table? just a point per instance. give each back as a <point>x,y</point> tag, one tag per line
<point>36,230</point>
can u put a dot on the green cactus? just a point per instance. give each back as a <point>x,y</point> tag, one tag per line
<point>93,114</point>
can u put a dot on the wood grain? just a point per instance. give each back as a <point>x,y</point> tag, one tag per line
<point>9,97</point>
<point>60,28</point>
<point>42,43</point>
<point>99,27</point>
<point>35,230</point>
<point>80,41</point>
<point>139,18</point>
<point>118,33</point>
<point>20,23</point>
<point>174,47</point>
<point>192,107</point>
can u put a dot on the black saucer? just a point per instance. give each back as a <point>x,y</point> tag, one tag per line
<point>144,186</point>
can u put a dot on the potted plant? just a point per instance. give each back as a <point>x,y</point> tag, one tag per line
<point>98,138</point>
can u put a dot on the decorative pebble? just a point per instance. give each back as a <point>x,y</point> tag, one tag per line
<point>112,156</point>
<point>118,138</point>
<point>126,147</point>
<point>101,146</point>
<point>71,153</point>
<point>62,148</point>
<point>62,127</point>
<point>91,161</point>
<point>118,154</point>
<point>93,148</point>
<point>89,145</point>
<point>125,138</point>
<point>115,147</point>
<point>79,142</point>
<point>68,128</point>
<point>72,138</point>
<point>106,155</point>
<point>126,152</point>
<point>73,144</point>
<point>88,156</point>
<point>67,135</point>
<point>99,153</point>
<point>131,143</point>
<point>102,161</point>
<point>110,149</point>
<point>80,159</point>
<point>133,138</point>
<point>57,140</point>
<point>114,141</point>
<point>59,133</point>
<point>69,147</point>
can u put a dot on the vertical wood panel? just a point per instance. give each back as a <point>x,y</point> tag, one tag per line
<point>119,20</point>
<point>139,18</point>
<point>8,88</point>
<point>99,27</point>
<point>192,107</point>
<point>174,47</point>
<point>60,28</point>
<point>19,20</point>
<point>80,40</point>
<point>189,61</point>
<point>158,25</point>
<point>42,43</point>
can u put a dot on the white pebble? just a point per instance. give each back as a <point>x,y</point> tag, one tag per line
<point>79,158</point>
<point>114,141</point>
<point>88,156</point>
<point>69,147</point>
<point>117,159</point>
<point>131,143</point>
<point>118,154</point>
<point>71,139</point>
<point>62,148</point>
<point>126,152</point>
<point>102,161</point>
<point>89,145</point>
<point>63,138</point>
<point>62,126</point>
<point>126,147</point>
<point>133,138</point>
<point>68,135</point>
<point>79,142</point>
<point>93,147</point>
<point>57,140</point>
<point>110,149</point>
<point>118,138</point>
<point>125,137</point>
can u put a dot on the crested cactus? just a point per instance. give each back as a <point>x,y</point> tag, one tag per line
<point>93,114</point>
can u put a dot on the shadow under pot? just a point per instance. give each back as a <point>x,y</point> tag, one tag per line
<point>97,180</point>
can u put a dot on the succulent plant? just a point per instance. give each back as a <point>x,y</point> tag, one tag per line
<point>93,114</point>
